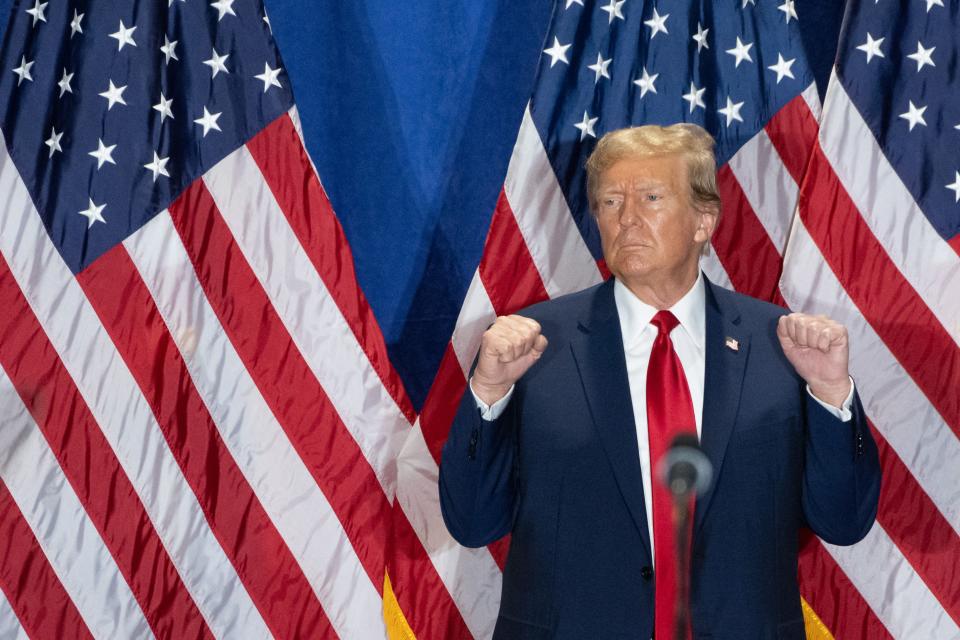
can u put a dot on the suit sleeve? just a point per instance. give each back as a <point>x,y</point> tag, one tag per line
<point>477,474</point>
<point>841,483</point>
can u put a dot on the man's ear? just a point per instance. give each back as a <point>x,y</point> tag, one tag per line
<point>709,217</point>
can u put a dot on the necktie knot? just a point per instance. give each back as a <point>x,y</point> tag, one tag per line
<point>665,322</point>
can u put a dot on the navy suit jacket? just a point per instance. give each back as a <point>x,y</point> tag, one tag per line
<point>560,471</point>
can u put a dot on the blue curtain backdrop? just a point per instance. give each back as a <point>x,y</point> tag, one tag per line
<point>410,110</point>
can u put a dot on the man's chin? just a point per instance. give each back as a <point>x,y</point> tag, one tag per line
<point>630,269</point>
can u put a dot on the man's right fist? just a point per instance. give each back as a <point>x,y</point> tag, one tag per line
<point>508,348</point>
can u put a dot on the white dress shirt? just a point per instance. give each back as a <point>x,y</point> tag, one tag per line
<point>688,339</point>
<point>638,334</point>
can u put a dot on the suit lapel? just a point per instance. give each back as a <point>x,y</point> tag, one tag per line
<point>598,352</point>
<point>727,347</point>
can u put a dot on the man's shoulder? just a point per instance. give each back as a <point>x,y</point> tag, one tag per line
<point>752,310</point>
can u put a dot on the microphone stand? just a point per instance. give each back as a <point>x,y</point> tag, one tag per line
<point>686,471</point>
<point>682,537</point>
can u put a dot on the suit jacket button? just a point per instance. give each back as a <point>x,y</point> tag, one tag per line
<point>646,573</point>
<point>472,450</point>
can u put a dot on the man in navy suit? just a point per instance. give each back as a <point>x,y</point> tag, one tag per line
<point>553,443</point>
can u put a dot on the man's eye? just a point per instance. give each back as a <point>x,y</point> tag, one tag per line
<point>653,197</point>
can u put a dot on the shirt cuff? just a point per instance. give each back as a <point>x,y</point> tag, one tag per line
<point>844,413</point>
<point>493,411</point>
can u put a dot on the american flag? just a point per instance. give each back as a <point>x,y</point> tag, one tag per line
<point>200,431</point>
<point>876,246</point>
<point>198,421</point>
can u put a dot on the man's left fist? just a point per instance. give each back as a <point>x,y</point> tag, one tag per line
<point>818,349</point>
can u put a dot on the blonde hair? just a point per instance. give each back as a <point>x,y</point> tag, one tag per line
<point>689,141</point>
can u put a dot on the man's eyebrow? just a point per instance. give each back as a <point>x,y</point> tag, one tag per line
<point>641,180</point>
<point>628,184</point>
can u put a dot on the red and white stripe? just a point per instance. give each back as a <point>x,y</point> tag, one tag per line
<point>64,539</point>
<point>280,478</point>
<point>298,294</point>
<point>127,441</point>
<point>927,261</point>
<point>844,259</point>
<point>200,429</point>
<point>32,582</point>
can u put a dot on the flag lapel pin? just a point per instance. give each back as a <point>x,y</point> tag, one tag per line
<point>731,344</point>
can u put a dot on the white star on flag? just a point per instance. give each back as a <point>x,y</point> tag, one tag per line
<point>266,20</point>
<point>124,36</point>
<point>746,2</point>
<point>657,24</point>
<point>872,48</point>
<point>103,153</point>
<point>216,63</point>
<point>645,82</point>
<point>914,116</point>
<point>164,107</point>
<point>741,52</point>
<point>75,27</point>
<point>586,126</point>
<point>557,53</point>
<point>695,97</point>
<point>93,213</point>
<point>700,37</point>
<point>614,9</point>
<point>37,12</point>
<point>158,166</point>
<point>955,187</point>
<point>223,7</point>
<point>601,68</point>
<point>782,68</point>
<point>114,94</point>
<point>931,3</point>
<point>23,70</point>
<point>169,49</point>
<point>269,77</point>
<point>573,2</point>
<point>209,121</point>
<point>923,56</point>
<point>790,11</point>
<point>64,83</point>
<point>731,111</point>
<point>54,141</point>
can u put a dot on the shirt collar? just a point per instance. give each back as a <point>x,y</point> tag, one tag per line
<point>635,315</point>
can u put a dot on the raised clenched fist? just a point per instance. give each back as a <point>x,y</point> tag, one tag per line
<point>508,348</point>
<point>818,349</point>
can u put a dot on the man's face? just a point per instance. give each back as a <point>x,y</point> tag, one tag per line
<point>649,227</point>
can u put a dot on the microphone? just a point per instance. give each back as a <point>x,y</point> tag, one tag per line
<point>685,468</point>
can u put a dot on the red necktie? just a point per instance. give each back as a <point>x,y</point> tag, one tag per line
<point>669,413</point>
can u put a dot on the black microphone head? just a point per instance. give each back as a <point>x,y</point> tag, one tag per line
<point>685,468</point>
